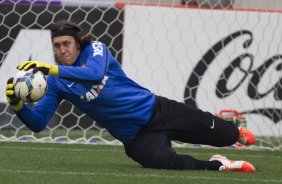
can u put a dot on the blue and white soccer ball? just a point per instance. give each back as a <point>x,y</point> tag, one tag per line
<point>30,87</point>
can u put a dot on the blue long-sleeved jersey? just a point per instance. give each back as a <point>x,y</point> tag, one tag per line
<point>96,85</point>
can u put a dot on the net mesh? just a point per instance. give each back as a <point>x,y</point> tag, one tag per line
<point>135,31</point>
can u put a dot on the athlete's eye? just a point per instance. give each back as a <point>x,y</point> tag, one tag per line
<point>66,43</point>
<point>56,45</point>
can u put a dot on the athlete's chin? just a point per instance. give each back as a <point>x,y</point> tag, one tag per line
<point>66,62</point>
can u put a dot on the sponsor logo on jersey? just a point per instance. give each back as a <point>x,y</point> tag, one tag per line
<point>98,48</point>
<point>94,91</point>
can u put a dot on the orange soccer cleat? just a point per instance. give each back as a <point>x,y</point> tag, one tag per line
<point>231,165</point>
<point>246,137</point>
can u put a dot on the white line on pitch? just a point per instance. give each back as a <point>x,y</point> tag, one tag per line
<point>115,174</point>
<point>121,151</point>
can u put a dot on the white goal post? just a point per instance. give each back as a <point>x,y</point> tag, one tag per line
<point>214,58</point>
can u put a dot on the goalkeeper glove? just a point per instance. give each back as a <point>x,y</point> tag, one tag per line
<point>15,103</point>
<point>45,68</point>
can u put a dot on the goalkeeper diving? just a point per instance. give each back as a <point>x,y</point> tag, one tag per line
<point>88,76</point>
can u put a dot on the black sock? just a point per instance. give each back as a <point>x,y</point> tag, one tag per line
<point>208,165</point>
<point>187,162</point>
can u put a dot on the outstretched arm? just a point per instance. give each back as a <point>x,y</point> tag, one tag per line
<point>38,117</point>
<point>93,67</point>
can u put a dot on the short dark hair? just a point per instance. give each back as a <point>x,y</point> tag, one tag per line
<point>64,27</point>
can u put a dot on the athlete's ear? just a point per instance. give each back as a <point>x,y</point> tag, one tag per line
<point>77,45</point>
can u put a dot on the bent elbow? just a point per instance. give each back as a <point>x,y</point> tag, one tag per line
<point>37,130</point>
<point>100,75</point>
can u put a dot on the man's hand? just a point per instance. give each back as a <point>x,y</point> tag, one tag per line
<point>15,103</point>
<point>45,68</point>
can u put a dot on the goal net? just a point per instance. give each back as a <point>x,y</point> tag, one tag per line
<point>216,57</point>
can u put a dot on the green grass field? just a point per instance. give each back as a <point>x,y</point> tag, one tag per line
<point>72,163</point>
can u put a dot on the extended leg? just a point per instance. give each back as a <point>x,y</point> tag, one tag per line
<point>154,151</point>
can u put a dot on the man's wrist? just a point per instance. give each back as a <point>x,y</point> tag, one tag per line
<point>18,106</point>
<point>54,70</point>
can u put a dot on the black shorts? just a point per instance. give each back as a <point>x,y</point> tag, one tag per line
<point>173,120</point>
<point>188,124</point>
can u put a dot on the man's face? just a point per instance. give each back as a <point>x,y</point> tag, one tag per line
<point>66,49</point>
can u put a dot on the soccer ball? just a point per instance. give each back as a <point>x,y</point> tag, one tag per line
<point>30,87</point>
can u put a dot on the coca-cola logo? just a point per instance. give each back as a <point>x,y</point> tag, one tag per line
<point>251,74</point>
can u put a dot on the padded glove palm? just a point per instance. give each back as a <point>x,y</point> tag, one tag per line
<point>15,103</point>
<point>45,68</point>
